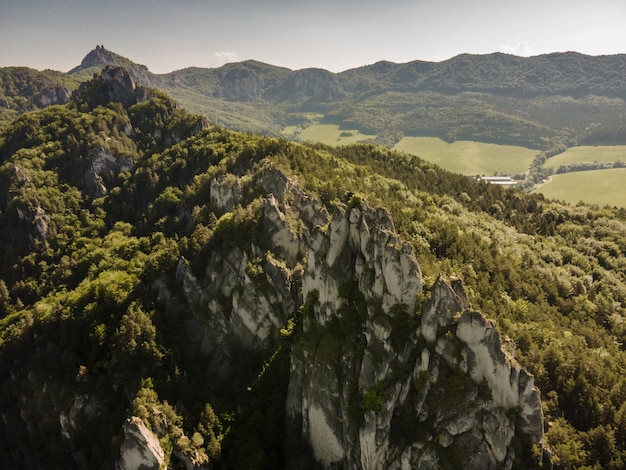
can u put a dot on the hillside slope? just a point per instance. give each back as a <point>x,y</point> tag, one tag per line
<point>198,296</point>
<point>545,102</point>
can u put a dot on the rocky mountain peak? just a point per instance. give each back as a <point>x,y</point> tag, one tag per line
<point>99,57</point>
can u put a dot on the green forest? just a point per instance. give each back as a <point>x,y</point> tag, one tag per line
<point>547,104</point>
<point>87,338</point>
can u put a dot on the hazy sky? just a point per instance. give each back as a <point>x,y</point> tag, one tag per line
<point>332,34</point>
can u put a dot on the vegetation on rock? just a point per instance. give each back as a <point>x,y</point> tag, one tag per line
<point>94,325</point>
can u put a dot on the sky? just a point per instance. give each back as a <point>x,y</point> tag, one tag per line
<point>331,34</point>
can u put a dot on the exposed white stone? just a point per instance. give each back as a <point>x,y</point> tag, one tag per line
<point>461,422</point>
<point>276,226</point>
<point>339,231</point>
<point>332,372</point>
<point>445,303</point>
<point>326,446</point>
<point>372,453</point>
<point>225,192</point>
<point>101,162</point>
<point>141,449</point>
<point>478,334</point>
<point>497,434</point>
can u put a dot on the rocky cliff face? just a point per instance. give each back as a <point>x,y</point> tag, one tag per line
<point>141,449</point>
<point>397,386</point>
<point>381,376</point>
<point>102,166</point>
<point>53,95</point>
<point>114,84</point>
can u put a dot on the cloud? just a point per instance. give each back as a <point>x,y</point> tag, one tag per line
<point>222,57</point>
<point>522,49</point>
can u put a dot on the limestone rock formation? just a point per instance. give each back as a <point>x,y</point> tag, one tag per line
<point>114,84</point>
<point>225,192</point>
<point>38,221</point>
<point>379,378</point>
<point>376,397</point>
<point>141,449</point>
<point>102,165</point>
<point>53,95</point>
<point>100,57</point>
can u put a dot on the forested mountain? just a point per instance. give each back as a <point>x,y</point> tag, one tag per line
<point>175,293</point>
<point>543,102</point>
<point>23,89</point>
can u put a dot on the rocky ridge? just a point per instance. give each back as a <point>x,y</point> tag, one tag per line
<point>113,84</point>
<point>378,377</point>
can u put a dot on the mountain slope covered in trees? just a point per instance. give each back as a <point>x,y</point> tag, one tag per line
<point>542,102</point>
<point>136,236</point>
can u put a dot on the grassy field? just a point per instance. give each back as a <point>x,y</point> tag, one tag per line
<point>602,187</point>
<point>605,153</point>
<point>329,134</point>
<point>469,158</point>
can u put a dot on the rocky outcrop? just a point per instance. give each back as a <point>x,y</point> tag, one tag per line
<point>225,192</point>
<point>53,95</point>
<point>114,84</point>
<point>375,384</point>
<point>38,220</point>
<point>378,377</point>
<point>100,57</point>
<point>237,310</point>
<point>121,87</point>
<point>103,166</point>
<point>249,290</point>
<point>391,399</point>
<point>360,246</point>
<point>141,450</point>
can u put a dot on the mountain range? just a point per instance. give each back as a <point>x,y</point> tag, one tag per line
<point>176,294</point>
<point>543,102</point>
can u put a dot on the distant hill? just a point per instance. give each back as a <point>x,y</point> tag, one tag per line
<point>100,57</point>
<point>546,102</point>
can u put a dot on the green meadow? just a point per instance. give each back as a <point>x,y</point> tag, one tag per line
<point>584,154</point>
<point>329,134</point>
<point>602,187</point>
<point>469,158</point>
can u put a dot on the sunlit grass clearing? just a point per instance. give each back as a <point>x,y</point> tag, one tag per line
<point>602,187</point>
<point>600,153</point>
<point>469,158</point>
<point>330,134</point>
